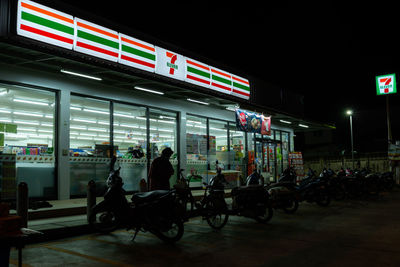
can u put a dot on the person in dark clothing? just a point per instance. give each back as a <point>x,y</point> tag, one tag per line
<point>161,171</point>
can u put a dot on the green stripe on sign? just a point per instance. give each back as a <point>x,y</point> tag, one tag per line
<point>222,80</point>
<point>47,23</point>
<point>97,39</point>
<point>241,86</point>
<point>198,72</point>
<point>138,52</point>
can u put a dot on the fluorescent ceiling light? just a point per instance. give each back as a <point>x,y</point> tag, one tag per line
<point>166,117</point>
<point>303,125</point>
<point>26,122</point>
<point>30,102</point>
<point>5,111</point>
<point>77,127</point>
<point>148,90</point>
<point>123,115</point>
<point>287,122</point>
<point>28,114</point>
<point>197,101</point>
<point>84,120</point>
<point>96,111</point>
<point>81,75</point>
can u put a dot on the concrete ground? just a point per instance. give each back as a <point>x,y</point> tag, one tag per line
<point>348,233</point>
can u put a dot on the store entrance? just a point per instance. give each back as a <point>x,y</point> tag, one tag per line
<point>267,159</point>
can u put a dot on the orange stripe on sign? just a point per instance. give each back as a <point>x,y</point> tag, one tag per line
<point>240,80</point>
<point>138,44</point>
<point>80,24</point>
<point>45,12</point>
<point>197,65</point>
<point>221,73</point>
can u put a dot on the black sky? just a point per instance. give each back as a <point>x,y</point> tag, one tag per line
<point>329,51</point>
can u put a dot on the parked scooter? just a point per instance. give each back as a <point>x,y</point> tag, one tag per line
<point>252,200</point>
<point>282,194</point>
<point>156,212</point>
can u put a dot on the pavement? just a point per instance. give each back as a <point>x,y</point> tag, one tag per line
<point>346,233</point>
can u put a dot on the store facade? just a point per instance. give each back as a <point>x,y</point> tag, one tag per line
<point>61,130</point>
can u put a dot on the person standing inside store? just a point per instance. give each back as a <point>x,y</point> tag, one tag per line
<point>161,171</point>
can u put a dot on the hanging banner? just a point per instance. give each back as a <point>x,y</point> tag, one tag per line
<point>252,122</point>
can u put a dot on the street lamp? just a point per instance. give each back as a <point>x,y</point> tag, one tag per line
<point>350,114</point>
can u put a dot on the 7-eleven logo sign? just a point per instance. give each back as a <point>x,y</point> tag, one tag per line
<point>386,84</point>
<point>170,64</point>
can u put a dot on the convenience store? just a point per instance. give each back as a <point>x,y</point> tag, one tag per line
<point>73,92</point>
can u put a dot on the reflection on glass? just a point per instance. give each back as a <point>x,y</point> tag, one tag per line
<point>130,133</point>
<point>196,149</point>
<point>27,119</point>
<point>163,133</point>
<point>237,152</point>
<point>90,149</point>
<point>285,149</point>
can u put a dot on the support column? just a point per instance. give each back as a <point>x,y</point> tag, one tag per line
<point>63,146</point>
<point>182,140</point>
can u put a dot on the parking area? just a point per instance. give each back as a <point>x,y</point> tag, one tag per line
<point>347,233</point>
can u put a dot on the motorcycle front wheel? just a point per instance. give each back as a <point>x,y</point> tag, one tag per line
<point>292,207</point>
<point>173,234</point>
<point>323,199</point>
<point>266,216</point>
<point>215,218</point>
<point>104,221</point>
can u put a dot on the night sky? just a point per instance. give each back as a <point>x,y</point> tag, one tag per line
<point>329,51</point>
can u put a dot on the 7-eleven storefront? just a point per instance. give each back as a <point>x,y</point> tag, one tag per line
<point>73,93</point>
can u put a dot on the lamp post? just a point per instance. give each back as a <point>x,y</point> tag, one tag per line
<point>350,114</point>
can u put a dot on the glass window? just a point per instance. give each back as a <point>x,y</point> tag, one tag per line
<point>89,142</point>
<point>285,149</point>
<point>130,135</point>
<point>27,119</point>
<point>218,140</point>
<point>196,149</point>
<point>237,159</point>
<point>163,133</point>
<point>251,152</point>
<point>279,156</point>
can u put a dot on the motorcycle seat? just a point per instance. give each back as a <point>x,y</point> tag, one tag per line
<point>149,196</point>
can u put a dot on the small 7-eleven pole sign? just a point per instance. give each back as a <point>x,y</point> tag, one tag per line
<point>386,84</point>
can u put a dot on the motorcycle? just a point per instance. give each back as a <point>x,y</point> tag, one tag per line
<point>252,201</point>
<point>282,194</point>
<point>156,211</point>
<point>314,190</point>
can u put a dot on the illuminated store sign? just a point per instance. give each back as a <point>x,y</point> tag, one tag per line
<point>386,84</point>
<point>170,64</point>
<point>53,27</point>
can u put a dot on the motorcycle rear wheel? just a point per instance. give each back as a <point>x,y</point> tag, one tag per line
<point>104,221</point>
<point>266,216</point>
<point>173,234</point>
